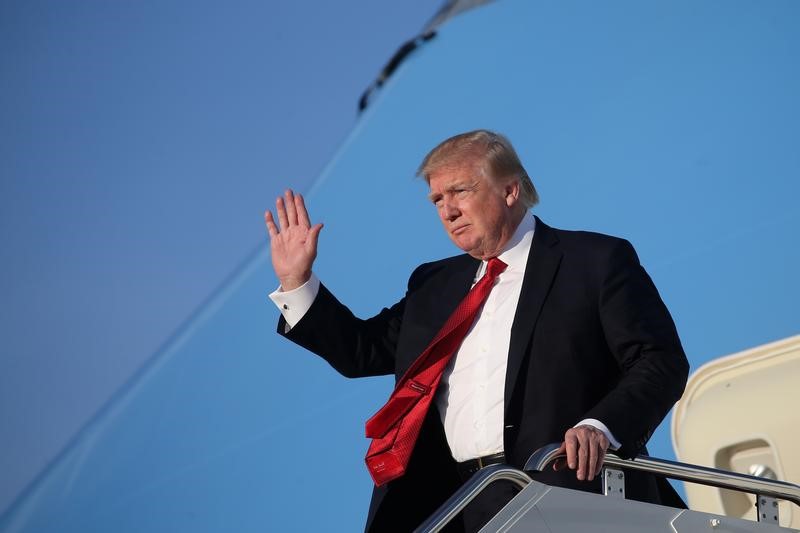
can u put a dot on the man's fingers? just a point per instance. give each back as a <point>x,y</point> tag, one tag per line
<point>271,228</point>
<point>586,449</point>
<point>601,457</point>
<point>594,455</point>
<point>583,454</point>
<point>571,447</point>
<point>599,446</point>
<point>302,212</point>
<point>284,222</point>
<point>291,209</point>
<point>313,237</point>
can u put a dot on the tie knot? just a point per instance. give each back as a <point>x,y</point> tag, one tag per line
<point>494,267</point>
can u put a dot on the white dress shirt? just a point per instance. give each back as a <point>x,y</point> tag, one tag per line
<point>470,398</point>
<point>471,395</point>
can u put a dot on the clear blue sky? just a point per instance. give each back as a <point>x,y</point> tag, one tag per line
<point>140,143</point>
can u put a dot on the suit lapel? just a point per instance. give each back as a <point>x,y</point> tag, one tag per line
<point>540,270</point>
<point>455,285</point>
<point>447,289</point>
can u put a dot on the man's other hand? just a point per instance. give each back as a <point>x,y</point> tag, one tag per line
<point>294,245</point>
<point>585,447</point>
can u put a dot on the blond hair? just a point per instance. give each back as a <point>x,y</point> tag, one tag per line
<point>500,160</point>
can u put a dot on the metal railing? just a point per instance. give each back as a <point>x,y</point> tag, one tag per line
<point>456,503</point>
<point>767,491</point>
<point>782,490</point>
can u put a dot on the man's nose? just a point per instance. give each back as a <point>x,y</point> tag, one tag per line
<point>450,211</point>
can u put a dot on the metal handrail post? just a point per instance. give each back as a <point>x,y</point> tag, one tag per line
<point>478,482</point>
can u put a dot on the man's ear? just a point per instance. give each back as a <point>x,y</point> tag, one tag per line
<point>511,191</point>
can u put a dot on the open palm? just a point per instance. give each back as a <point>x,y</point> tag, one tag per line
<point>293,241</point>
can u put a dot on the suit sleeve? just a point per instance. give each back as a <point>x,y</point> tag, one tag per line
<point>642,337</point>
<point>352,346</point>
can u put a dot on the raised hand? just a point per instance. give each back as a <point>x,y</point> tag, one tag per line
<point>294,245</point>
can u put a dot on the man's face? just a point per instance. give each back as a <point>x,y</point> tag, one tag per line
<point>475,210</point>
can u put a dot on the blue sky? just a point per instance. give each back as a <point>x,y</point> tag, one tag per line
<point>141,142</point>
<point>141,145</point>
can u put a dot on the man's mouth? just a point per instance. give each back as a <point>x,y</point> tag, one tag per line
<point>459,229</point>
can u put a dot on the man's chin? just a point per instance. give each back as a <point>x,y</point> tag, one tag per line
<point>470,247</point>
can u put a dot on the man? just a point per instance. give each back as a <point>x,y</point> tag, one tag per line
<point>572,343</point>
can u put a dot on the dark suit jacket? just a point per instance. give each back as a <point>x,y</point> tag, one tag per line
<point>591,338</point>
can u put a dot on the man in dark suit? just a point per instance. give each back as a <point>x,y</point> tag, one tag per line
<point>573,343</point>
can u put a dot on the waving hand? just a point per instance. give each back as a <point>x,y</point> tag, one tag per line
<point>294,245</point>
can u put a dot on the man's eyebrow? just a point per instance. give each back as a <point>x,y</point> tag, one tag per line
<point>459,185</point>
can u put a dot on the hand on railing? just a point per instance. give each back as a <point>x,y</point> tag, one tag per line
<point>544,456</point>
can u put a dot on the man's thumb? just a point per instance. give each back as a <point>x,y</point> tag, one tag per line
<point>313,233</point>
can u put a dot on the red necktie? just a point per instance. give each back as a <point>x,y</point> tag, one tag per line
<point>395,427</point>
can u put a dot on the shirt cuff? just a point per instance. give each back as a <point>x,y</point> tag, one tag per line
<point>294,304</point>
<point>614,444</point>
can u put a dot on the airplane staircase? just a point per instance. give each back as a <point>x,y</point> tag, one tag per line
<point>538,507</point>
